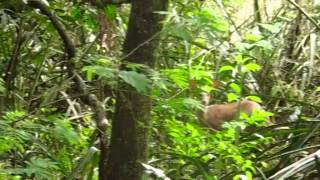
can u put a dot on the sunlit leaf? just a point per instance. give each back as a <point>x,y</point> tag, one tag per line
<point>105,61</point>
<point>232,97</point>
<point>179,75</point>
<point>251,67</point>
<point>254,98</point>
<point>235,87</point>
<point>206,88</point>
<point>239,59</point>
<point>273,28</point>
<point>101,71</point>
<point>226,68</point>
<point>253,37</point>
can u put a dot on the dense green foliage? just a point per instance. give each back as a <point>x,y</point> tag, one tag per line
<point>47,132</point>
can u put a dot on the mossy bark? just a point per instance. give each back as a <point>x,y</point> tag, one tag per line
<point>131,123</point>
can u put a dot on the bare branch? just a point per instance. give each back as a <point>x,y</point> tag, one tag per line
<point>90,99</point>
<point>312,20</point>
<point>70,49</point>
<point>102,3</point>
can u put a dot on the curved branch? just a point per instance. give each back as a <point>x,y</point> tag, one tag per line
<point>90,99</point>
<point>102,3</point>
<point>11,69</point>
<point>70,48</point>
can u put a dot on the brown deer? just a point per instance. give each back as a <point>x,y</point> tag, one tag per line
<point>215,115</point>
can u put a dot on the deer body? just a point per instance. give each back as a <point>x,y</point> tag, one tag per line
<point>215,115</point>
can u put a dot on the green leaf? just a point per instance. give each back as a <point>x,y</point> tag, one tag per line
<point>41,168</point>
<point>193,130</point>
<point>65,131</point>
<point>235,87</point>
<point>101,71</point>
<point>158,81</point>
<point>266,113</point>
<point>239,59</point>
<point>139,81</point>
<point>252,67</point>
<point>179,76</point>
<point>105,61</point>
<point>318,89</point>
<point>242,47</point>
<point>259,117</point>
<point>207,88</point>
<point>264,44</point>
<point>89,22</point>
<point>232,97</point>
<point>226,68</point>
<point>111,11</point>
<point>89,74</point>
<point>206,18</point>
<point>76,13</point>
<point>254,98</point>
<point>200,41</point>
<point>273,28</point>
<point>248,167</point>
<point>13,115</point>
<point>180,32</point>
<point>249,174</point>
<point>264,164</point>
<point>192,103</point>
<point>253,37</point>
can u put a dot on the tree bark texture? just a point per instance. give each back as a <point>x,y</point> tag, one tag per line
<point>131,123</point>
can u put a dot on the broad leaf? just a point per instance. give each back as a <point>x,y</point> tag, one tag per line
<point>101,71</point>
<point>235,87</point>
<point>232,97</point>
<point>139,81</point>
<point>255,98</point>
<point>252,67</point>
<point>226,68</point>
<point>264,44</point>
<point>273,28</point>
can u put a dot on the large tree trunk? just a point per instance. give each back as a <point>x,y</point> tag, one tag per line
<point>131,123</point>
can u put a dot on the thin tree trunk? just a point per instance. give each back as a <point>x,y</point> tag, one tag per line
<point>257,12</point>
<point>131,124</point>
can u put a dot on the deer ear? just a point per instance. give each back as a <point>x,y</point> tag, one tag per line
<point>216,84</point>
<point>193,84</point>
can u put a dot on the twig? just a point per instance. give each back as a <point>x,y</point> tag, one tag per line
<point>228,17</point>
<point>312,20</point>
<point>90,99</point>
<point>14,60</point>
